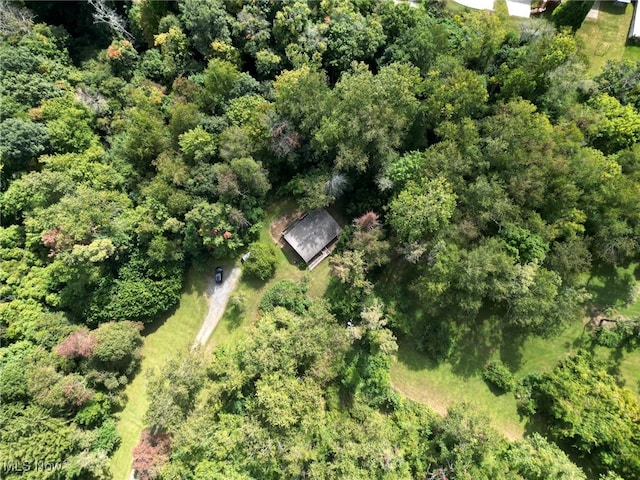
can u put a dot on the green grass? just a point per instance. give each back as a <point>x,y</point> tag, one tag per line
<point>162,339</point>
<point>441,385</point>
<point>447,383</point>
<point>632,52</point>
<point>174,333</point>
<point>608,290</point>
<point>235,324</point>
<point>606,38</point>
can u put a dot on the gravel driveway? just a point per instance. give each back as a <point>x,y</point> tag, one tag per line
<point>218,295</point>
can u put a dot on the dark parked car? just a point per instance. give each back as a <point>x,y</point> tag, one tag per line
<point>218,274</point>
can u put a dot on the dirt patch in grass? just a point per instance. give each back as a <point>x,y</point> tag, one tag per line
<point>280,224</point>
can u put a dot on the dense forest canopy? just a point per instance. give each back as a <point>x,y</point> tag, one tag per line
<point>470,154</point>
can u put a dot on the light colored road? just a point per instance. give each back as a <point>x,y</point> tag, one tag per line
<point>218,296</point>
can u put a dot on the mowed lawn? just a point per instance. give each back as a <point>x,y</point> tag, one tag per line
<point>606,38</point>
<point>169,336</point>
<point>163,339</point>
<point>235,323</point>
<point>459,379</point>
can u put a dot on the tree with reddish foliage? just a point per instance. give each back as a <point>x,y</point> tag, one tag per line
<point>368,221</point>
<point>75,390</point>
<point>80,344</point>
<point>55,240</point>
<point>369,238</point>
<point>151,453</point>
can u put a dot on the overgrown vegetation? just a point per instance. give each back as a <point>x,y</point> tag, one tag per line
<point>483,175</point>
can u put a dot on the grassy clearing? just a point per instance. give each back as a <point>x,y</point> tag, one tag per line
<point>163,339</point>
<point>610,291</point>
<point>174,333</point>
<point>438,386</point>
<point>235,324</point>
<point>447,383</point>
<point>441,385</point>
<point>606,38</point>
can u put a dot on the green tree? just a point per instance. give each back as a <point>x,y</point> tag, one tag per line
<point>206,22</point>
<point>174,49</point>
<point>419,41</point>
<point>145,17</point>
<point>262,261</point>
<point>184,117</point>
<point>30,432</point>
<point>219,79</point>
<point>68,125</point>
<point>118,346</point>
<point>211,226</point>
<point>21,142</point>
<point>583,403</point>
<point>477,36</point>
<point>142,136</point>
<point>370,116</point>
<point>122,57</point>
<point>350,37</point>
<point>421,210</point>
<point>198,145</point>
<point>453,92</point>
<point>174,389</point>
<point>616,126</point>
<point>618,79</point>
<point>302,97</point>
<point>535,458</point>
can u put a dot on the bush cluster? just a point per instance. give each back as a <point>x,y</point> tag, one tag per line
<point>497,374</point>
<point>261,264</point>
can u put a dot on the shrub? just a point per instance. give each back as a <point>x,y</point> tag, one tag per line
<point>497,374</point>
<point>238,301</point>
<point>623,333</point>
<point>94,412</point>
<point>108,438</point>
<point>571,14</point>
<point>262,262</point>
<point>287,294</point>
<point>438,341</point>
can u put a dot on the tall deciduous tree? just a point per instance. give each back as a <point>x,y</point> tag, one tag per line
<point>422,209</point>
<point>206,23</point>
<point>582,403</point>
<point>370,115</point>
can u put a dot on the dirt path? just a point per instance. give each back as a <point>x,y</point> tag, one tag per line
<point>218,296</point>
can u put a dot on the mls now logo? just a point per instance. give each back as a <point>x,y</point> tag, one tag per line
<point>16,466</point>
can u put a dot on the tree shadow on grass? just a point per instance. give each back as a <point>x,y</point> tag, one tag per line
<point>232,318</point>
<point>511,348</point>
<point>475,346</point>
<point>609,287</point>
<point>413,359</point>
<point>153,326</point>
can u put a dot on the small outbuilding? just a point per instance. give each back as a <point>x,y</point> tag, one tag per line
<point>634,31</point>
<point>519,8</point>
<point>311,235</point>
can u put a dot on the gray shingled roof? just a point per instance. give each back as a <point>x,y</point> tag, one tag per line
<point>311,234</point>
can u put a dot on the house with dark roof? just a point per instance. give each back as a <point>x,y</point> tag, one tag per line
<point>311,235</point>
